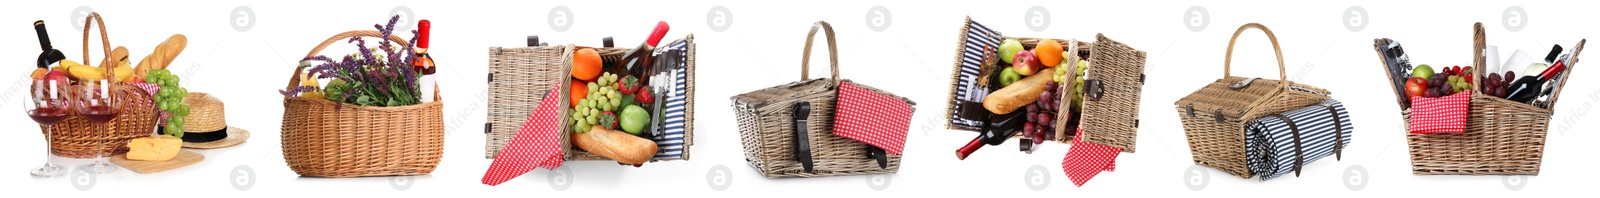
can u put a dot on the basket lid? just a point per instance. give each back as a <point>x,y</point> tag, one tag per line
<point>1113,87</point>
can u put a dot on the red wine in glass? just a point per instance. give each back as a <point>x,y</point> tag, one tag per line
<point>47,115</point>
<point>100,114</point>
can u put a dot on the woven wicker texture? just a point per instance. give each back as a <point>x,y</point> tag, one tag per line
<point>767,132</point>
<point>520,77</point>
<point>76,137</point>
<point>1219,142</point>
<point>322,138</point>
<point>1502,137</point>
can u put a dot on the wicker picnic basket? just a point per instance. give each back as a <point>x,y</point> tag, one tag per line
<point>520,76</point>
<point>1214,116</point>
<point>325,138</point>
<point>766,124</point>
<point>1502,137</point>
<point>76,137</point>
<point>1112,119</point>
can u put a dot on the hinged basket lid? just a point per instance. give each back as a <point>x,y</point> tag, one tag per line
<point>1113,85</point>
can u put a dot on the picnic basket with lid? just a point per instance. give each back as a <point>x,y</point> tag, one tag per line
<point>521,76</point>
<point>325,138</point>
<point>777,146</point>
<point>1500,136</point>
<point>1115,77</point>
<point>1214,117</point>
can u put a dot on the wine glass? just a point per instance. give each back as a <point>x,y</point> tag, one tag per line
<point>47,105</point>
<point>99,103</point>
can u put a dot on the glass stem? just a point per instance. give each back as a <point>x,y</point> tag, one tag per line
<point>48,145</point>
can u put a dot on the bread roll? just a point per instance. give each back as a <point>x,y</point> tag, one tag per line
<point>616,145</point>
<point>162,55</point>
<point>1018,94</point>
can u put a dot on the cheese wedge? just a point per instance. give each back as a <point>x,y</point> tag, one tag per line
<point>158,148</point>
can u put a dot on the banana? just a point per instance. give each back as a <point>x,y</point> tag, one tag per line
<point>124,72</point>
<point>85,72</point>
<point>65,66</point>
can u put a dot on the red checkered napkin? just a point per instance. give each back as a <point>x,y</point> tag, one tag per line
<point>153,89</point>
<point>1085,159</point>
<point>876,119</point>
<point>535,145</point>
<point>1439,115</point>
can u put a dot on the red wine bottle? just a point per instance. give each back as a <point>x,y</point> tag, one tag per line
<point>638,60</point>
<point>424,62</point>
<point>50,56</point>
<point>996,130</point>
<point>1527,88</point>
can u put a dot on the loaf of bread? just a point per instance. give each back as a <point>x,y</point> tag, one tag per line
<point>1018,94</point>
<point>617,145</point>
<point>162,55</point>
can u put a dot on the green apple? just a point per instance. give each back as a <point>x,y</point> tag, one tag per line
<point>1009,49</point>
<point>1009,76</point>
<point>1422,71</point>
<point>634,119</point>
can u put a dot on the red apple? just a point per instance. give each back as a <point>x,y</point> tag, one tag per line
<point>1026,63</point>
<point>1416,86</point>
<point>58,76</point>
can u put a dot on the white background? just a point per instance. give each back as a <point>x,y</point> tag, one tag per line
<point>762,48</point>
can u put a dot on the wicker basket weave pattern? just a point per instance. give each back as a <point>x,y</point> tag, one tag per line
<point>323,138</point>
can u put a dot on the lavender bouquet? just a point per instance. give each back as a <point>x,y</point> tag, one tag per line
<point>367,78</point>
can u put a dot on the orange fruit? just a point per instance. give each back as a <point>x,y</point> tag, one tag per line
<point>1049,52</point>
<point>579,91</point>
<point>586,64</point>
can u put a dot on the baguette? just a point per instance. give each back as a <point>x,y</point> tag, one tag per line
<point>1019,94</point>
<point>623,147</point>
<point>162,55</point>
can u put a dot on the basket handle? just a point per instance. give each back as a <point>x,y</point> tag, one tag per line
<point>833,53</point>
<point>1228,61</point>
<point>105,42</point>
<point>1478,43</point>
<point>295,79</point>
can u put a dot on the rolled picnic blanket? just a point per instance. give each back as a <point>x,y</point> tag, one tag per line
<point>1282,143</point>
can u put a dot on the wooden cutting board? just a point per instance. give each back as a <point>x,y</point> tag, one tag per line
<point>184,158</point>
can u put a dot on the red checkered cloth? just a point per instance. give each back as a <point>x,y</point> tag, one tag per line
<point>876,119</point>
<point>1085,159</point>
<point>537,143</point>
<point>153,89</point>
<point>1440,115</point>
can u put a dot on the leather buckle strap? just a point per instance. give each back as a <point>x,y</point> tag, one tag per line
<point>879,154</point>
<point>1338,137</point>
<point>802,141</point>
<point>1299,154</point>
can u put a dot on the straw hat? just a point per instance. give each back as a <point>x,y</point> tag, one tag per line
<point>205,127</point>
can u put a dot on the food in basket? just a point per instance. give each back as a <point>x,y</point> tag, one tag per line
<point>1416,86</point>
<point>169,99</point>
<point>60,78</point>
<point>1422,71</point>
<point>579,91</point>
<point>154,148</point>
<point>586,64</point>
<point>1008,76</point>
<point>1049,52</point>
<point>634,119</point>
<point>162,56</point>
<point>1019,94</point>
<point>623,147</point>
<point>1027,63</point>
<point>1009,49</point>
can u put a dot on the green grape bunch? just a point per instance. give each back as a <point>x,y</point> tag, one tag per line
<point>603,97</point>
<point>170,99</point>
